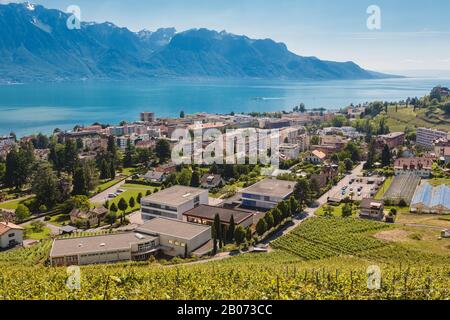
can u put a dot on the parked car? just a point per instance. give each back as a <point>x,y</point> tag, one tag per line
<point>112,195</point>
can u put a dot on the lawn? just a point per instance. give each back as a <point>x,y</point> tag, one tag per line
<point>31,234</point>
<point>60,219</point>
<point>13,204</point>
<point>437,182</point>
<point>106,184</point>
<point>384,188</point>
<point>131,190</point>
<point>337,210</point>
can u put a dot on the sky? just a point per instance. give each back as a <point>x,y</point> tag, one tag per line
<point>414,34</point>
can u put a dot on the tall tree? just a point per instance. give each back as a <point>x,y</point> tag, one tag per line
<point>45,186</point>
<point>261,227</point>
<point>70,156</point>
<point>386,156</point>
<point>79,183</point>
<point>239,235</point>
<point>195,179</point>
<point>231,229</point>
<point>302,192</point>
<point>162,150</point>
<point>130,154</point>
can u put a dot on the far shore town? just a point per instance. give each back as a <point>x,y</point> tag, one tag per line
<point>106,194</point>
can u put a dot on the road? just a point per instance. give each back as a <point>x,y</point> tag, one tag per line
<point>103,196</point>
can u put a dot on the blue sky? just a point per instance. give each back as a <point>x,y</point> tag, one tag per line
<point>414,35</point>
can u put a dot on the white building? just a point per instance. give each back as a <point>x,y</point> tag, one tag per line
<point>315,157</point>
<point>10,235</point>
<point>177,238</point>
<point>290,150</point>
<point>426,137</point>
<point>173,202</point>
<point>267,193</point>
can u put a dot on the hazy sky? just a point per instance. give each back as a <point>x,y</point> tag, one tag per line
<point>414,35</point>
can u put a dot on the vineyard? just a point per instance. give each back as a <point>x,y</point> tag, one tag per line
<point>324,237</point>
<point>322,259</point>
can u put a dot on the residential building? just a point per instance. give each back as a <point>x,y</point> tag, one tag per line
<point>289,151</point>
<point>177,238</point>
<point>392,140</point>
<point>91,217</point>
<point>315,157</point>
<point>425,137</point>
<point>272,123</point>
<point>327,175</point>
<point>167,168</point>
<point>429,199</point>
<point>211,181</point>
<point>147,116</point>
<point>267,193</point>
<point>6,141</point>
<point>206,214</point>
<point>421,167</point>
<point>171,203</point>
<point>371,209</point>
<point>103,249</point>
<point>155,176</point>
<point>11,235</point>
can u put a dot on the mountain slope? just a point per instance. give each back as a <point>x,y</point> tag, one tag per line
<point>35,44</point>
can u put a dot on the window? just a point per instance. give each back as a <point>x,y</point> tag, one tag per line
<point>11,235</point>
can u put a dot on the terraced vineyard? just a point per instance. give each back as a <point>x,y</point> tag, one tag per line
<point>317,261</point>
<point>326,237</point>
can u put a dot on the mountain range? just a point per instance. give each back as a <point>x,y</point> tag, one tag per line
<point>36,45</point>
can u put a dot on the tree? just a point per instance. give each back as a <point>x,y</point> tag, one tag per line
<point>130,154</point>
<point>70,156</point>
<point>182,114</point>
<point>261,227</point>
<point>248,234</point>
<point>45,186</point>
<point>269,220</point>
<point>113,208</point>
<point>18,168</point>
<point>111,217</point>
<point>239,235</point>
<point>284,209</point>
<point>302,192</point>
<point>78,202</point>
<point>386,156</point>
<point>104,170</point>
<point>231,229</point>
<point>348,163</point>
<point>132,202</point>
<point>335,158</point>
<point>293,204</point>
<point>277,217</point>
<point>79,183</point>
<point>347,210</point>
<point>22,212</point>
<point>328,211</point>
<point>123,205</point>
<point>139,198</point>
<point>195,179</point>
<point>162,150</point>
<point>185,176</point>
<point>216,232</point>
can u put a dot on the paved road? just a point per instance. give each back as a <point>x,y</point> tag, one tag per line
<point>103,196</point>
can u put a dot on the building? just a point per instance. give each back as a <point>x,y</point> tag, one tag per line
<point>103,249</point>
<point>371,209</point>
<point>177,238</point>
<point>147,117</point>
<point>11,235</point>
<point>289,151</point>
<point>392,140</point>
<point>315,157</point>
<point>326,175</point>
<point>267,193</point>
<point>6,141</point>
<point>155,176</point>
<point>429,199</point>
<point>206,214</point>
<point>426,137</point>
<point>272,123</point>
<point>211,181</point>
<point>171,203</point>
<point>91,217</point>
<point>421,167</point>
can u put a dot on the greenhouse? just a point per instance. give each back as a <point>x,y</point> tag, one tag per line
<point>429,199</point>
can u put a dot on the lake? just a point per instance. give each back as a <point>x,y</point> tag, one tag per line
<point>41,107</point>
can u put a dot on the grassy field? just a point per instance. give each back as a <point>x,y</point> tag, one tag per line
<point>399,120</point>
<point>13,204</point>
<point>337,210</point>
<point>132,190</point>
<point>384,188</point>
<point>45,233</point>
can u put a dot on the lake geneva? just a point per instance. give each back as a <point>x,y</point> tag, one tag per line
<point>41,107</point>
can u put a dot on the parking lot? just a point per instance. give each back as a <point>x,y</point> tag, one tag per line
<point>359,188</point>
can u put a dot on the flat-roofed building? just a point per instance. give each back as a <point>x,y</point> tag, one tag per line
<point>371,209</point>
<point>171,203</point>
<point>103,249</point>
<point>177,238</point>
<point>267,193</point>
<point>289,151</point>
<point>425,137</point>
<point>148,116</point>
<point>206,214</point>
